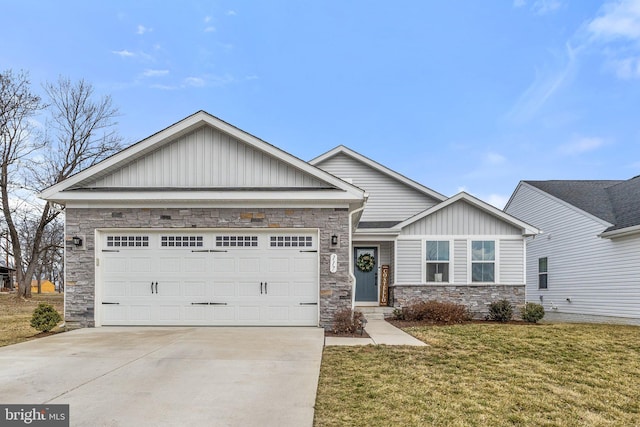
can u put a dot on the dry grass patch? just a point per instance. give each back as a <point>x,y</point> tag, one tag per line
<point>15,316</point>
<point>479,375</point>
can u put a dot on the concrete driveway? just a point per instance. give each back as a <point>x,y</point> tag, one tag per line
<point>169,376</point>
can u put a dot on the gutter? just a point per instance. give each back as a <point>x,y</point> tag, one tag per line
<point>351,275</point>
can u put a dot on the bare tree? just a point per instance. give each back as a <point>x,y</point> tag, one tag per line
<point>79,133</point>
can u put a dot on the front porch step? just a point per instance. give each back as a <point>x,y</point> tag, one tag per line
<point>375,313</point>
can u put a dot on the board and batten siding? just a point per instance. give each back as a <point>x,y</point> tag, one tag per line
<point>460,261</point>
<point>409,261</point>
<point>460,218</point>
<point>205,158</point>
<point>389,199</point>
<point>587,274</point>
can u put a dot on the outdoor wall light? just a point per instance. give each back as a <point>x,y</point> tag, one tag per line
<point>77,241</point>
<point>334,240</point>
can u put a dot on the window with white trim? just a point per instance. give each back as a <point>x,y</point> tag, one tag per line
<point>127,241</point>
<point>236,241</point>
<point>437,261</point>
<point>483,261</point>
<point>291,241</point>
<point>543,272</point>
<point>181,241</point>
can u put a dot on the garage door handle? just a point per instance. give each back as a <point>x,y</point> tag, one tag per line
<point>156,287</point>
<point>260,288</point>
<point>265,288</point>
<point>308,303</point>
<point>151,287</point>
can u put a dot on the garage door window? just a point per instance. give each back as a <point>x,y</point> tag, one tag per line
<point>181,241</point>
<point>127,241</point>
<point>291,241</point>
<point>236,241</point>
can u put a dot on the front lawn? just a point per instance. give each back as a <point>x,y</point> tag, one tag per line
<point>15,315</point>
<point>487,375</point>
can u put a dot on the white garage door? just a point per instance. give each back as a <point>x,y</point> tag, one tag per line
<point>213,278</point>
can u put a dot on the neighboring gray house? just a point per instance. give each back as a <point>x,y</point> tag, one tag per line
<point>586,264</point>
<point>205,224</point>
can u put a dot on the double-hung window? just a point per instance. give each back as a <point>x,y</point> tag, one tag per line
<point>483,261</point>
<point>437,261</point>
<point>543,265</point>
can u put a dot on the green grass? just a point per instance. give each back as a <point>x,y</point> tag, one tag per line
<point>15,316</point>
<point>487,375</point>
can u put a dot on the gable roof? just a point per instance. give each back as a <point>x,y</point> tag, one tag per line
<point>615,201</point>
<point>89,184</point>
<point>527,230</point>
<point>341,149</point>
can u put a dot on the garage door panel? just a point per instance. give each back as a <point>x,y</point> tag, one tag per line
<point>169,313</point>
<point>140,265</point>
<point>196,265</point>
<point>224,265</point>
<point>278,289</point>
<point>278,313</point>
<point>139,288</point>
<point>139,313</point>
<point>116,264</point>
<point>115,289</point>
<point>169,265</point>
<point>305,265</point>
<point>248,264</point>
<point>224,289</point>
<point>304,289</point>
<point>249,289</point>
<point>278,264</point>
<point>195,289</point>
<point>249,313</point>
<point>196,313</point>
<point>223,314</point>
<point>169,288</point>
<point>115,313</point>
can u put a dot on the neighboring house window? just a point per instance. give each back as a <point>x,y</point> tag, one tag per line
<point>543,266</point>
<point>483,261</point>
<point>437,261</point>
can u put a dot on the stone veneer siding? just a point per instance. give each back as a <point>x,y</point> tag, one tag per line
<point>476,297</point>
<point>335,288</point>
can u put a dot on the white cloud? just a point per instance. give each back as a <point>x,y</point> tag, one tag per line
<point>543,7</point>
<point>627,68</point>
<point>461,188</point>
<point>618,20</point>
<point>142,29</point>
<point>231,13</point>
<point>194,81</point>
<point>519,3</point>
<point>581,145</point>
<point>207,19</point>
<point>210,29</point>
<point>497,200</point>
<point>544,86</point>
<point>495,159</point>
<point>123,53</point>
<point>155,73</point>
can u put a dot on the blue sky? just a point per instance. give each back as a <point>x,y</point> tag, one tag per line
<point>472,95</point>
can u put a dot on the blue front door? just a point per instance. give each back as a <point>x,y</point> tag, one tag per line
<point>366,271</point>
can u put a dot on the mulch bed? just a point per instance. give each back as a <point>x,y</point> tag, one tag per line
<point>346,335</point>
<point>411,323</point>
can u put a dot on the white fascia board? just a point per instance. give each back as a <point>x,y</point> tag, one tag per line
<point>380,168</point>
<point>211,196</point>
<point>527,229</point>
<point>623,232</point>
<point>185,126</point>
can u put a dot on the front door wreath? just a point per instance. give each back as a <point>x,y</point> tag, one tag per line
<point>366,262</point>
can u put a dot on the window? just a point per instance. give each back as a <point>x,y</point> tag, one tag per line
<point>483,261</point>
<point>236,241</point>
<point>127,241</point>
<point>181,241</point>
<point>290,241</point>
<point>437,261</point>
<point>543,265</point>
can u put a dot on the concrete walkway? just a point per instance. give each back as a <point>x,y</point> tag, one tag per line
<point>381,332</point>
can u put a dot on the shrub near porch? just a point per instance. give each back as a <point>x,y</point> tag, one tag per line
<point>477,374</point>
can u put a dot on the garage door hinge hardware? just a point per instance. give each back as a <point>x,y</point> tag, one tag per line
<point>208,303</point>
<point>310,250</point>
<point>110,303</point>
<point>308,303</point>
<point>110,250</point>
<point>208,250</point>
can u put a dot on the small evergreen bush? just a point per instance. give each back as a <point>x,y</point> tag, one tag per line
<point>347,322</point>
<point>532,312</point>
<point>45,317</point>
<point>501,311</point>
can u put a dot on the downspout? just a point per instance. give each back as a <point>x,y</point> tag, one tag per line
<point>351,275</point>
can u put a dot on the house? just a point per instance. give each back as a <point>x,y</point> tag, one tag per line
<point>205,224</point>
<point>586,264</point>
<point>46,287</point>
